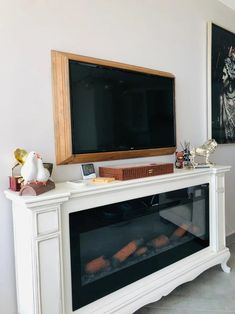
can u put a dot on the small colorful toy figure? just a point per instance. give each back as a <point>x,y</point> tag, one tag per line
<point>179,162</point>
<point>187,155</point>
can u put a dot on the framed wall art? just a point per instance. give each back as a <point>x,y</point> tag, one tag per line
<point>221,84</point>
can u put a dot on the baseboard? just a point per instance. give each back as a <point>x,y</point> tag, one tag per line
<point>230,239</point>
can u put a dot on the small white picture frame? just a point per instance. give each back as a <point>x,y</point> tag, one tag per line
<point>88,171</point>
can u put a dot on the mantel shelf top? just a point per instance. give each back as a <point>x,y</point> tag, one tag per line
<point>66,190</point>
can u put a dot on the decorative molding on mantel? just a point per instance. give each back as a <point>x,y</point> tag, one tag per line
<point>64,191</point>
<point>42,242</point>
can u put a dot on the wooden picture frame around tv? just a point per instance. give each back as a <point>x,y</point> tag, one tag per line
<point>62,112</point>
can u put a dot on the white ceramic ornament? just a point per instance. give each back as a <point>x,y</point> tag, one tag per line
<point>42,173</point>
<point>29,169</point>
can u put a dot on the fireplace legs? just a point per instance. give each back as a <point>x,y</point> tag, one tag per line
<point>224,265</point>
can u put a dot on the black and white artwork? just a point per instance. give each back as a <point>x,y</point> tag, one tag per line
<point>222,84</point>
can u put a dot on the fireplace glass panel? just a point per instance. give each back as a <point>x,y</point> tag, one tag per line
<point>117,244</point>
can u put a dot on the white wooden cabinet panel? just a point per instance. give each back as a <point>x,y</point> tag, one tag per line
<point>49,276</point>
<point>47,222</point>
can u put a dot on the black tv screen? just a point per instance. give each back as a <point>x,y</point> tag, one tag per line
<point>119,110</point>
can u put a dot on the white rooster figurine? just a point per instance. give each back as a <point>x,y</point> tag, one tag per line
<point>29,169</point>
<point>42,173</point>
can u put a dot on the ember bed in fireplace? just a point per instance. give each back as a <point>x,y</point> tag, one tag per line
<point>114,245</point>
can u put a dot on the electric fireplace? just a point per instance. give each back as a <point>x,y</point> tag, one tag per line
<point>113,248</point>
<point>114,245</point>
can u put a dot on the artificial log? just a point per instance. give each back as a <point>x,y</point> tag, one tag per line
<point>179,232</point>
<point>194,230</point>
<point>126,251</point>
<point>159,242</point>
<point>36,188</point>
<point>141,251</point>
<point>96,265</point>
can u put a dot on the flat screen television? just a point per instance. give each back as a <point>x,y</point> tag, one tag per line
<point>108,110</point>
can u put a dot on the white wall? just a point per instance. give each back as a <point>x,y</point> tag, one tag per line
<point>229,3</point>
<point>160,34</point>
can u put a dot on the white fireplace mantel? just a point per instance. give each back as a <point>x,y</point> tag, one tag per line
<point>42,248</point>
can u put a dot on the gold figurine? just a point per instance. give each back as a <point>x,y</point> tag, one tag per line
<point>16,180</point>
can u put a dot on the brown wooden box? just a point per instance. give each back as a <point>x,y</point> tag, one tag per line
<point>128,172</point>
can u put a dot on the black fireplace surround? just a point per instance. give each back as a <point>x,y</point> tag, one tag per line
<point>114,245</point>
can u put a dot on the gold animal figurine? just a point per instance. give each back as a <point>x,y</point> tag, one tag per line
<point>204,151</point>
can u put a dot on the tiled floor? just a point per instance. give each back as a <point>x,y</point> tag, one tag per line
<point>213,292</point>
